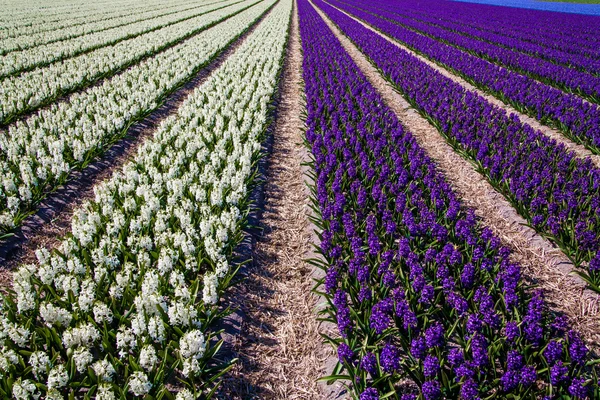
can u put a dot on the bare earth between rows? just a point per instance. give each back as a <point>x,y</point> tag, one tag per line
<point>543,264</point>
<point>280,351</point>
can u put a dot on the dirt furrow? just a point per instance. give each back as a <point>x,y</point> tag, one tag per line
<point>552,133</point>
<point>543,264</point>
<point>52,219</point>
<point>279,348</point>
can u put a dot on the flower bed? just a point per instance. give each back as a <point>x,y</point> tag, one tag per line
<point>575,117</point>
<point>419,290</point>
<point>126,306</point>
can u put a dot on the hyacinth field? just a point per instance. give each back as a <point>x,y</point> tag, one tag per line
<point>442,232</point>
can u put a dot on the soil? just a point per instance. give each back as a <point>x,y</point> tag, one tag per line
<point>280,351</point>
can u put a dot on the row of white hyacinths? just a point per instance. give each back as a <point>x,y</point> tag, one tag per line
<point>18,61</point>
<point>26,41</point>
<point>127,305</point>
<point>19,21</point>
<point>41,151</point>
<point>29,90</point>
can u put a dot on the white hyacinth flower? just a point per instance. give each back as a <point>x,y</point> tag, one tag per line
<point>185,394</point>
<point>58,377</point>
<point>104,370</point>
<point>148,358</point>
<point>25,390</point>
<point>139,384</point>
<point>39,362</point>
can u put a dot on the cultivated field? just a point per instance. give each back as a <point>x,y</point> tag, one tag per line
<point>298,199</point>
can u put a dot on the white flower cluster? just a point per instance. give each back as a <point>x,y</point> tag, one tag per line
<point>191,349</point>
<point>142,247</point>
<point>8,357</point>
<point>139,384</point>
<point>25,390</point>
<point>48,145</point>
<point>104,370</point>
<point>18,61</point>
<point>58,377</point>
<point>30,89</point>
<point>185,394</point>
<point>105,392</point>
<point>40,362</point>
<point>26,41</point>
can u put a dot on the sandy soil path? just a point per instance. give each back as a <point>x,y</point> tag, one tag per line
<point>280,351</point>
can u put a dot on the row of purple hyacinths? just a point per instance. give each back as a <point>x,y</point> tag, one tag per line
<point>562,77</point>
<point>577,118</point>
<point>417,287</point>
<point>558,193</point>
<point>578,61</point>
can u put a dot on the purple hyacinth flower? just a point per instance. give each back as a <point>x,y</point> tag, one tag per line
<point>469,390</point>
<point>427,294</point>
<point>434,335</point>
<point>418,348</point>
<point>344,321</point>
<point>479,350</point>
<point>560,325</point>
<point>467,277</point>
<point>577,349</point>
<point>369,363</point>
<point>553,352</point>
<point>431,390</point>
<point>595,262</point>
<point>345,353</point>
<point>510,380</point>
<point>558,373</point>
<point>364,294</point>
<point>514,360</point>
<point>578,389</point>
<point>369,394</point>
<point>528,375</point>
<point>431,366</point>
<point>512,331</point>
<point>456,357</point>
<point>331,279</point>
<point>381,315</point>
<point>390,358</point>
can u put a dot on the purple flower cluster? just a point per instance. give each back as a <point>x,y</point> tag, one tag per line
<point>445,305</point>
<point>345,353</point>
<point>390,358</point>
<point>369,363</point>
<point>369,394</point>
<point>517,372</point>
<point>344,321</point>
